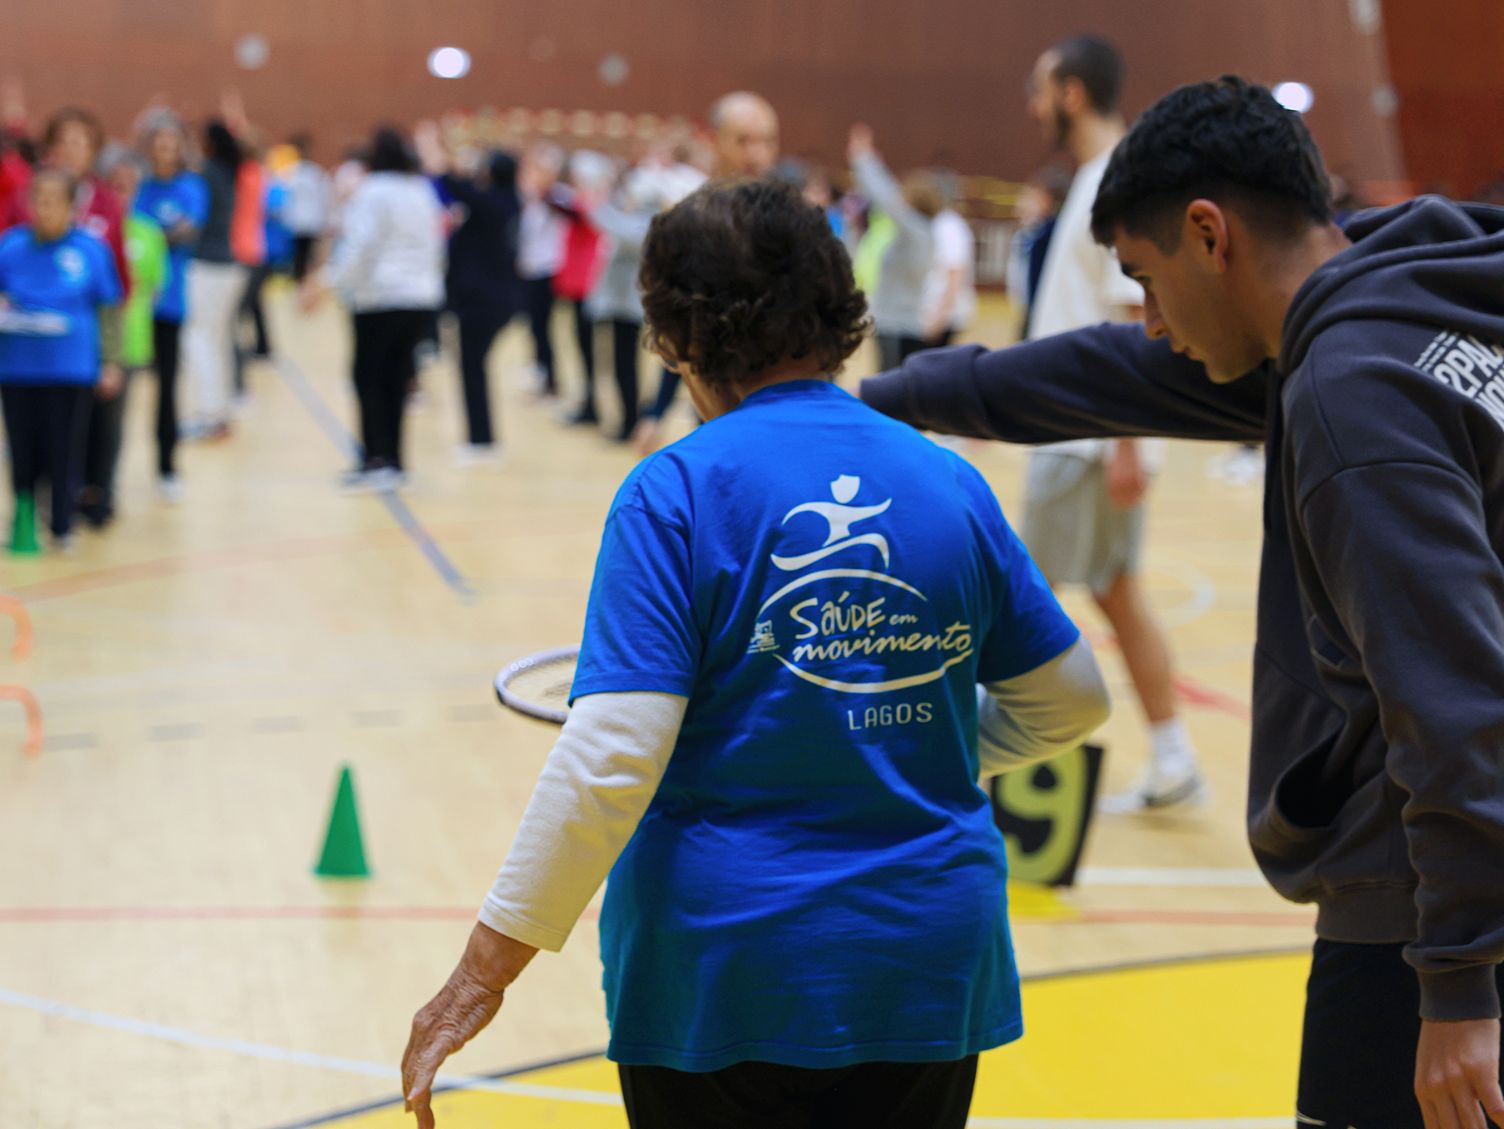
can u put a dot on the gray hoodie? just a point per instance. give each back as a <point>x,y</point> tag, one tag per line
<point>1376,782</point>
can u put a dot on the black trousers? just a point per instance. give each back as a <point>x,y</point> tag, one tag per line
<point>894,349</point>
<point>302,255</point>
<point>584,338</point>
<point>760,1095</point>
<point>44,426</point>
<point>478,330</point>
<point>538,297</point>
<point>1357,1051</point>
<point>250,307</point>
<point>102,446</point>
<point>383,368</point>
<point>624,339</point>
<point>165,337</point>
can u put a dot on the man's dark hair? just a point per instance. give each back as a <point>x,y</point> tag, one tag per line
<point>389,152</point>
<point>303,143</point>
<point>742,276</point>
<point>1094,62</point>
<point>1226,140</point>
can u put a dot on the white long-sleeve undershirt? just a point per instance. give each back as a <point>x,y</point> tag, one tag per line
<point>610,757</point>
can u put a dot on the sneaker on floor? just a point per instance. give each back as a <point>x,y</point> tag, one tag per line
<point>584,414</point>
<point>65,543</point>
<point>479,455</point>
<point>1159,788</point>
<point>170,488</point>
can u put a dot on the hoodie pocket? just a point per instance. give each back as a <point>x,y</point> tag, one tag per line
<point>1290,814</point>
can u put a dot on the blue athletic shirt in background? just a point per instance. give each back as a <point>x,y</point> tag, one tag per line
<point>818,880</point>
<point>69,278</point>
<point>169,202</point>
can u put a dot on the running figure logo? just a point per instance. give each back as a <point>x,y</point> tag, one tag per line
<point>841,516</point>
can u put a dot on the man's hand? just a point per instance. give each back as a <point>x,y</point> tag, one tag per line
<point>1127,481</point>
<point>111,382</point>
<point>462,1009</point>
<point>1456,1071</point>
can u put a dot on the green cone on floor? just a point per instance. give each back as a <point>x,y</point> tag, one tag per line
<point>23,529</point>
<point>344,854</point>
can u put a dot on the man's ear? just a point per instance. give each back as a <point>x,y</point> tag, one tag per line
<point>1207,230</point>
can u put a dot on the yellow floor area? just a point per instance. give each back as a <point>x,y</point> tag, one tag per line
<point>1095,1054</point>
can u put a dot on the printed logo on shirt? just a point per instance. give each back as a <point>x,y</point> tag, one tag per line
<point>1470,366</point>
<point>850,625</point>
<point>71,262</point>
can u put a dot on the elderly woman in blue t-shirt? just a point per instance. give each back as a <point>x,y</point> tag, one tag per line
<point>59,319</point>
<point>773,746</point>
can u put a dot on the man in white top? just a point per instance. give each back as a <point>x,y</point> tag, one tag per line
<point>308,205</point>
<point>950,290</point>
<point>1084,507</point>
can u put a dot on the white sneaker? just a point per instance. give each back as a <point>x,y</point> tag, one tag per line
<point>479,455</point>
<point>170,488</point>
<point>378,480</point>
<point>1158,788</point>
<point>67,544</point>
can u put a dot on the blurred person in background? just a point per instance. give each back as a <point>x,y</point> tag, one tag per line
<point>63,278</point>
<point>216,284</point>
<point>898,299</point>
<point>177,200</point>
<point>480,283</point>
<point>589,175</point>
<point>541,253</point>
<point>309,202</point>
<point>744,142</point>
<point>950,289</point>
<point>388,265</point>
<point>1084,506</point>
<point>147,266</point>
<point>1038,206</point>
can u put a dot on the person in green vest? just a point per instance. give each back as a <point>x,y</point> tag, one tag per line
<point>146,262</point>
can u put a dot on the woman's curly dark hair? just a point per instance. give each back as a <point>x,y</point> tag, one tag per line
<point>743,276</point>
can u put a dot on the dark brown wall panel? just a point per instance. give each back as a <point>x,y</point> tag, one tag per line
<point>940,81</point>
<point>1447,64</point>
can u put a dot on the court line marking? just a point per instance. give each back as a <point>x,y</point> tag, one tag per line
<point>500,1085</point>
<point>199,1041</point>
<point>339,435</point>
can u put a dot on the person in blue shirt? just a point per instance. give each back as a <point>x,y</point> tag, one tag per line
<point>177,198</point>
<point>776,733</point>
<point>59,337</point>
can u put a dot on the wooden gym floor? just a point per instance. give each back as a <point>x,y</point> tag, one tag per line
<point>168,959</point>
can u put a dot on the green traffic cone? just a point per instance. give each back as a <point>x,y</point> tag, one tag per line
<point>344,855</point>
<point>23,529</point>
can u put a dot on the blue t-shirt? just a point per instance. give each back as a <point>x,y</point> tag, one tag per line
<point>63,282</point>
<point>169,202</point>
<point>818,880</point>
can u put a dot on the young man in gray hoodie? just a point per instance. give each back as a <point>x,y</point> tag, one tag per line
<point>1370,362</point>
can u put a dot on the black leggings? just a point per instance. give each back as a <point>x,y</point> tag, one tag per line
<point>538,294</point>
<point>383,368</point>
<point>102,447</point>
<point>165,336</point>
<point>1362,1024</point>
<point>584,338</point>
<point>477,333</point>
<point>44,425</point>
<point>758,1095</point>
<point>624,339</point>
